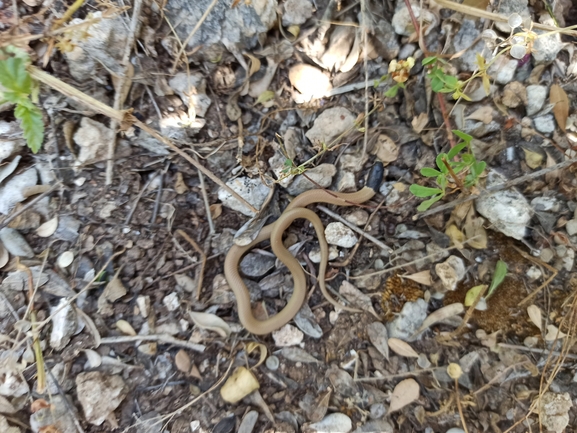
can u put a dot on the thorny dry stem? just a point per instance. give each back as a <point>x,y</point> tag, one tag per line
<point>126,119</point>
<point>122,85</point>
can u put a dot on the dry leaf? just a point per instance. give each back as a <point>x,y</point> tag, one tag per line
<point>252,346</point>
<point>215,210</point>
<point>48,228</point>
<point>6,407</point>
<point>535,316</point>
<point>90,325</point>
<point>533,159</point>
<point>475,232</point>
<point>402,348</point>
<point>211,322</point>
<point>558,97</point>
<point>552,176</point>
<point>4,256</point>
<point>441,314</point>
<point>406,392</point>
<point>93,358</point>
<point>378,335</point>
<point>483,114</point>
<point>460,212</point>
<point>418,123</point>
<point>423,277</point>
<point>182,361</point>
<point>553,333</point>
<point>479,4</point>
<point>294,30</point>
<point>148,348</point>
<point>240,384</point>
<point>457,236</point>
<point>233,111</point>
<point>357,298</point>
<point>385,149</point>
<point>321,407</point>
<point>179,185</point>
<point>125,327</point>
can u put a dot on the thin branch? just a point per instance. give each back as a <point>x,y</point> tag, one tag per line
<point>161,338</point>
<point>203,259</point>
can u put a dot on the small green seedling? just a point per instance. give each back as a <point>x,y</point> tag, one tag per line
<point>18,87</point>
<point>464,172</point>
<point>498,277</point>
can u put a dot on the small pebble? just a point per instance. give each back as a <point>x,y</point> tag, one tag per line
<point>272,363</point>
<point>358,217</point>
<point>315,254</point>
<point>534,273</point>
<point>171,301</point>
<point>530,341</point>
<point>571,227</point>
<point>340,235</point>
<point>377,410</point>
<point>288,335</point>
<point>545,124</point>
<point>547,255</point>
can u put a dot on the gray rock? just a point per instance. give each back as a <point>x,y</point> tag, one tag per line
<point>503,70</point>
<point>547,254</point>
<point>409,320</point>
<point>546,204</point>
<point>64,324</point>
<point>554,410</point>
<point>336,233</point>
<point>331,124</point>
<point>256,265</point>
<point>67,228</point>
<point>536,96</point>
<point>224,26</point>
<point>546,48</point>
<point>377,410</point>
<point>192,90</point>
<point>307,322</point>
<point>545,124</point>
<point>571,227</point>
<point>466,35</point>
<point>12,192</point>
<point>286,336</point>
<point>252,190</point>
<point>381,426</point>
<point>403,24</point>
<point>93,138</point>
<point>508,7</point>
<point>333,423</point>
<point>56,416</point>
<point>321,175</point>
<point>248,422</point>
<point>99,394</point>
<point>385,40</point>
<point>507,210</point>
<point>11,139</point>
<point>15,243</point>
<point>296,12</point>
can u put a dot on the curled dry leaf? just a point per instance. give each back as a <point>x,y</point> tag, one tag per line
<point>402,348</point>
<point>533,159</point>
<point>48,228</point>
<point>182,361</point>
<point>558,97</point>
<point>406,392</point>
<point>535,316</point>
<point>215,210</point>
<point>252,346</point>
<point>240,384</point>
<point>357,298</point>
<point>439,315</point>
<point>211,322</point>
<point>483,114</point>
<point>423,277</point>
<point>457,237</point>
<point>475,232</point>
<point>419,122</point>
<point>125,327</point>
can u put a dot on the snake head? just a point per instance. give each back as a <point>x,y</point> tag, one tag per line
<point>375,176</point>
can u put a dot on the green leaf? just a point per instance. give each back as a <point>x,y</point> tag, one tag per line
<point>465,137</point>
<point>423,191</point>
<point>498,276</point>
<point>32,125</point>
<point>436,84</point>
<point>468,158</point>
<point>265,96</point>
<point>428,203</point>
<point>392,92</point>
<point>441,164</point>
<point>478,168</point>
<point>472,294</point>
<point>455,150</point>
<point>430,172</point>
<point>451,82</point>
<point>14,77</point>
<point>429,60</point>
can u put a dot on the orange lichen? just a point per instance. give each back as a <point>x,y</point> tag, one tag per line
<point>397,292</point>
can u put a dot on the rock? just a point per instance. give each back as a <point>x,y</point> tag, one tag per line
<point>248,422</point>
<point>256,265</point>
<point>11,139</point>
<point>466,35</point>
<point>546,48</point>
<point>6,428</point>
<point>311,82</point>
<point>358,217</point>
<point>547,254</point>
<point>12,192</point>
<point>224,27</point>
<point>385,41</point>
<point>100,49</point>
<point>252,190</point>
<point>333,423</point>
<point>403,24</point>
<point>507,210</point>
<point>321,175</point>
<point>15,243</point>
<point>503,70</point>
<point>346,181</point>
<point>296,12</point>
<point>340,235</point>
<point>99,394</point>
<point>546,204</point>
<point>554,411</point>
<point>409,320</point>
<point>93,138</point>
<point>545,124</point>
<point>332,123</point>
<point>64,324</point>
<point>536,96</point>
<point>381,425</point>
<point>68,227</point>
<point>272,363</point>
<point>288,335</point>
<point>508,7</point>
<point>307,322</point>
<point>171,301</point>
<point>56,417</point>
<point>377,410</point>
<point>451,271</point>
<point>315,254</point>
<point>192,90</point>
<point>566,259</point>
<point>514,94</point>
<point>571,227</point>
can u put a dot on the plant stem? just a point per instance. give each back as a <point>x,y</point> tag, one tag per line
<point>456,178</point>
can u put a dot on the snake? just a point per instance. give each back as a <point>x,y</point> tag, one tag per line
<point>274,232</point>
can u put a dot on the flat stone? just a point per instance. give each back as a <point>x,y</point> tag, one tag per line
<point>536,96</point>
<point>296,12</point>
<point>321,176</point>
<point>252,190</point>
<point>545,124</point>
<point>336,233</point>
<point>332,123</point>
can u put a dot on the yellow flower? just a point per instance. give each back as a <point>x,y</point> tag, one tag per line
<point>399,70</point>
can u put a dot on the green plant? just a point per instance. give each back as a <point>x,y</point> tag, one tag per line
<point>463,171</point>
<point>498,277</point>
<point>20,89</point>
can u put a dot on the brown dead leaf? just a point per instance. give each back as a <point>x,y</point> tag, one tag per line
<point>252,346</point>
<point>423,277</point>
<point>483,114</point>
<point>182,361</point>
<point>558,97</point>
<point>418,123</point>
<point>125,327</point>
<point>553,175</point>
<point>385,149</point>
<point>475,232</point>
<point>215,210</point>
<point>179,185</point>
<point>440,314</point>
<point>254,64</point>
<point>402,348</point>
<point>456,236</point>
<point>406,392</point>
<point>233,111</point>
<point>533,159</point>
<point>535,315</point>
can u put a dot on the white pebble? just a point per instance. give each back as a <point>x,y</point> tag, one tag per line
<point>340,235</point>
